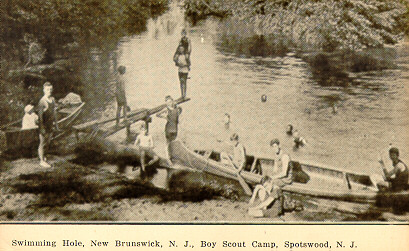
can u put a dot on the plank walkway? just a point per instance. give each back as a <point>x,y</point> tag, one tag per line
<point>100,128</point>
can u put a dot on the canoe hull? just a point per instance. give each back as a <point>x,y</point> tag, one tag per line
<point>312,181</point>
<point>12,138</point>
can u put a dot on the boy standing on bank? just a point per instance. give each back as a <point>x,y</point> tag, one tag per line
<point>47,118</point>
<point>120,95</point>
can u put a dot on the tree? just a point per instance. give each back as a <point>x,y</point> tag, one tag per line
<point>322,24</point>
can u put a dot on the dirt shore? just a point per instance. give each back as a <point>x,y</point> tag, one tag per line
<point>71,192</point>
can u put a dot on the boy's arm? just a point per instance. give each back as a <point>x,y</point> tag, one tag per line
<point>137,141</point>
<point>189,46</point>
<point>40,117</point>
<point>389,174</point>
<point>55,115</point>
<point>151,141</point>
<point>162,113</point>
<point>36,119</point>
<point>242,160</point>
<point>175,57</point>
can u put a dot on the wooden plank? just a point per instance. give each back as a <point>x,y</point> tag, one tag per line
<point>133,117</point>
<point>93,123</point>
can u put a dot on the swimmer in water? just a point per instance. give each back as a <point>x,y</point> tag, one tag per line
<point>298,140</point>
<point>289,130</point>
<point>226,121</point>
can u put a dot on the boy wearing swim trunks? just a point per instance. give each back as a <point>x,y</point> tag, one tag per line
<point>47,119</point>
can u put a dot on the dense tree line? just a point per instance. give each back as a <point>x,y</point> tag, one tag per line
<point>58,23</point>
<point>319,24</point>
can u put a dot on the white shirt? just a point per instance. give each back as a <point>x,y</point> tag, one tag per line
<point>29,121</point>
<point>144,140</point>
<point>239,155</point>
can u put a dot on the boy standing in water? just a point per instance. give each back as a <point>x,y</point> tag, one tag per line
<point>185,42</point>
<point>182,60</point>
<point>47,115</point>
<point>171,114</point>
<point>145,142</point>
<point>120,95</point>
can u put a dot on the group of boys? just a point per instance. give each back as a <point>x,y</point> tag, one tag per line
<point>269,189</point>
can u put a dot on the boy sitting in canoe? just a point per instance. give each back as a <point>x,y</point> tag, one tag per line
<point>30,119</point>
<point>238,160</point>
<point>395,177</point>
<point>282,173</point>
<point>145,142</point>
<point>266,193</point>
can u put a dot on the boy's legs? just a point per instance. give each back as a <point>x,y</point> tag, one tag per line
<point>259,191</point>
<point>118,113</point>
<point>44,140</point>
<point>154,156</point>
<point>143,154</point>
<point>183,85</point>
<point>125,108</point>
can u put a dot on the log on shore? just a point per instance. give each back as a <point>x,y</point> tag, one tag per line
<point>38,71</point>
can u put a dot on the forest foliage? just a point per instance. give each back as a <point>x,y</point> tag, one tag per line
<point>314,24</point>
<point>58,23</point>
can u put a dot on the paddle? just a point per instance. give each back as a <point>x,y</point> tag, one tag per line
<point>245,186</point>
<point>242,182</point>
<point>347,180</point>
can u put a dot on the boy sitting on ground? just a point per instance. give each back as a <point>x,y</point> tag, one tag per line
<point>145,142</point>
<point>267,193</point>
<point>30,119</point>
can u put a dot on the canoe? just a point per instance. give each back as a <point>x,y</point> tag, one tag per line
<point>308,179</point>
<point>13,138</point>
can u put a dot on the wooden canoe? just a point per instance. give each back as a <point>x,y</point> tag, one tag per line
<point>309,179</point>
<point>13,138</point>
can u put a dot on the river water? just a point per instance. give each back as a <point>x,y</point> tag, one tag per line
<point>372,108</point>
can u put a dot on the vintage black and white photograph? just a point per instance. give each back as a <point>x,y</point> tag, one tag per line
<point>204,111</point>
